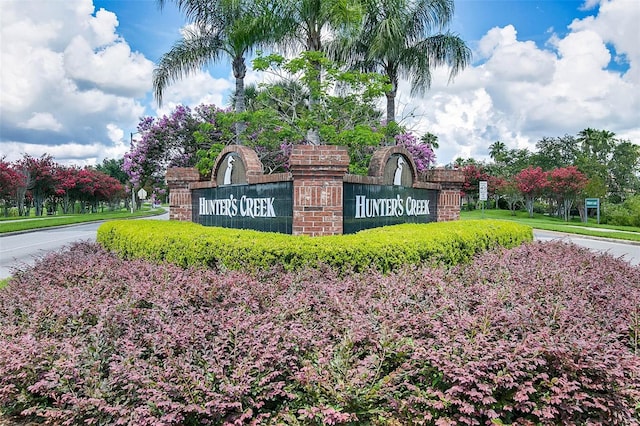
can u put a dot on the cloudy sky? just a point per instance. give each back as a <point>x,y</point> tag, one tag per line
<point>76,75</point>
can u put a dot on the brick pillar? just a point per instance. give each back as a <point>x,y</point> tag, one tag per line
<point>178,180</point>
<point>318,173</point>
<point>451,182</point>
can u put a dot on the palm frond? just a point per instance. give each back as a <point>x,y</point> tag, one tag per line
<point>191,53</point>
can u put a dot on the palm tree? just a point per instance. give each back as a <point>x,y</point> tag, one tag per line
<point>219,28</point>
<point>498,152</point>
<point>431,140</point>
<point>403,38</point>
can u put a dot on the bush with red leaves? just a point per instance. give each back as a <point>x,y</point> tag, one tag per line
<point>545,333</point>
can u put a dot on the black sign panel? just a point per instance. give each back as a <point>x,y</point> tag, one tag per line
<point>371,206</point>
<point>264,207</point>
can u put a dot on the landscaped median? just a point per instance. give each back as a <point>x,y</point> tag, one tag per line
<point>541,334</point>
<point>383,249</point>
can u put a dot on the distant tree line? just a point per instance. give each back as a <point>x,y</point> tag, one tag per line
<point>41,184</point>
<point>562,171</point>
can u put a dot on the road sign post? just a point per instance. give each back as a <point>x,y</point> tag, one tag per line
<point>591,203</point>
<point>483,195</point>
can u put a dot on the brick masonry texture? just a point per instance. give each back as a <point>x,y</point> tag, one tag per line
<point>318,174</point>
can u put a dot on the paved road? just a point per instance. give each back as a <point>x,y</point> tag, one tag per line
<point>629,252</point>
<point>22,249</point>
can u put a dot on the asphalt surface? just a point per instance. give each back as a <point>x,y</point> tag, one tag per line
<point>18,250</point>
<point>627,250</point>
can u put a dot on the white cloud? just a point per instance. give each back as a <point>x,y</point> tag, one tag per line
<point>66,74</point>
<point>42,121</point>
<point>72,87</point>
<point>518,92</point>
<point>195,89</point>
<point>70,153</point>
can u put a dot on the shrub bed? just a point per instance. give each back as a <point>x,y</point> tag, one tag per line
<point>387,248</point>
<point>542,334</point>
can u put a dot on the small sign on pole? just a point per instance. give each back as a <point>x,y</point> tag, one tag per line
<point>483,190</point>
<point>591,203</point>
<point>142,194</point>
<point>482,186</point>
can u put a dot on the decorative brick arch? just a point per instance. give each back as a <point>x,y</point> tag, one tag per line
<point>381,157</point>
<point>317,183</point>
<point>251,164</point>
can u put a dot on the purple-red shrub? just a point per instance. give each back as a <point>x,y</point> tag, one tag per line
<point>540,334</point>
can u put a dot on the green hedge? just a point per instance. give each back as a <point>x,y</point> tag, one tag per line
<point>385,249</point>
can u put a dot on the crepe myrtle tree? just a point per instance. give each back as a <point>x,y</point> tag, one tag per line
<point>38,177</point>
<point>10,181</point>
<point>531,182</point>
<point>473,174</point>
<point>169,141</point>
<point>566,184</point>
<point>422,153</point>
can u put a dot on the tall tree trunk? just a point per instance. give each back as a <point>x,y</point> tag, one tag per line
<point>314,44</point>
<point>239,72</point>
<point>391,105</point>
<point>313,136</point>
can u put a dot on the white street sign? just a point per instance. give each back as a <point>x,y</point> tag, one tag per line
<point>483,190</point>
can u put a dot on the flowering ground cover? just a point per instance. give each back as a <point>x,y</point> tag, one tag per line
<point>544,333</point>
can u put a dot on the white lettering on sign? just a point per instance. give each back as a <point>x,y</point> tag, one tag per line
<point>245,206</point>
<point>385,207</point>
<point>417,207</point>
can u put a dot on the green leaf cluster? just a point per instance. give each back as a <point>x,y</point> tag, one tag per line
<point>384,249</point>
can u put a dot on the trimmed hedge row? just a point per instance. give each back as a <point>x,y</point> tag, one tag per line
<point>384,249</point>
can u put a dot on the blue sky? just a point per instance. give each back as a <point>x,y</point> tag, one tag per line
<point>76,75</point>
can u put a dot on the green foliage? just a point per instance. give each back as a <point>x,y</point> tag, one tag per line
<point>625,214</point>
<point>310,64</point>
<point>384,249</point>
<point>361,142</point>
<point>354,88</point>
<point>343,113</point>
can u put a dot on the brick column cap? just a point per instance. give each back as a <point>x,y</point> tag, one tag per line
<point>182,174</point>
<point>319,160</point>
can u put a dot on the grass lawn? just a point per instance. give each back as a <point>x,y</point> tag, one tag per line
<point>23,224</point>
<point>540,221</point>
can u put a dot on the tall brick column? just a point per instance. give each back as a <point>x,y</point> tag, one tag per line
<point>178,180</point>
<point>318,173</point>
<point>451,182</point>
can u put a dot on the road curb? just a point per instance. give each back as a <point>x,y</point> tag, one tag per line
<point>590,237</point>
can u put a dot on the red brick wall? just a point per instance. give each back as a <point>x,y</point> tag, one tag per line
<point>448,205</point>
<point>178,180</point>
<point>318,173</point>
<point>451,181</point>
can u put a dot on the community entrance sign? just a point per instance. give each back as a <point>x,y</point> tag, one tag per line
<point>265,207</point>
<point>371,206</point>
<point>317,196</point>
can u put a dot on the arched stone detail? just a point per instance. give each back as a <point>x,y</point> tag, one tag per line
<point>380,160</point>
<point>250,166</point>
